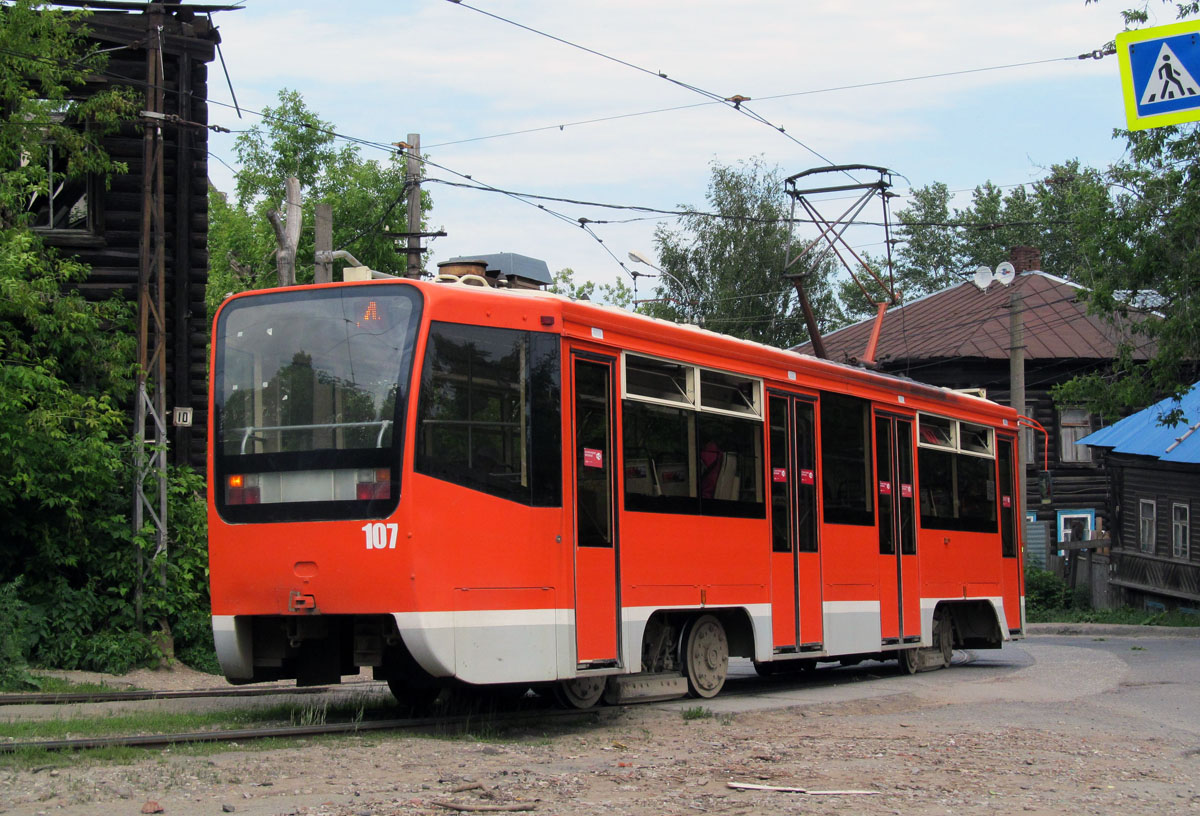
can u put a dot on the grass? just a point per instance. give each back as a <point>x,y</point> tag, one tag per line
<point>48,684</point>
<point>1125,615</point>
<point>354,709</point>
<point>696,713</point>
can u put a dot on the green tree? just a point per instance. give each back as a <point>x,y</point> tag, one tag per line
<point>614,294</point>
<point>725,268</point>
<point>369,199</point>
<point>66,371</point>
<point>1147,260</point>
<point>1067,215</point>
<point>1150,262</point>
<point>930,255</point>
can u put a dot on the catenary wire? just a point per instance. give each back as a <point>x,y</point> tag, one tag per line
<point>735,103</point>
<point>789,95</point>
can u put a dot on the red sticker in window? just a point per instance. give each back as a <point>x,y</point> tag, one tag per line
<point>808,477</point>
<point>593,458</point>
<point>906,491</point>
<point>1006,501</point>
<point>778,474</point>
<point>885,488</point>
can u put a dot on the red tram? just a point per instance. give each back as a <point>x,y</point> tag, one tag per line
<point>449,482</point>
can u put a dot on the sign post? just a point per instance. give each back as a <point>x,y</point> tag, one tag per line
<point>1160,74</point>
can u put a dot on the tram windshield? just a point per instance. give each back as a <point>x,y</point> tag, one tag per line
<point>310,393</point>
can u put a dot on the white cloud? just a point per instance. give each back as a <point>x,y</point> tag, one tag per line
<point>382,70</point>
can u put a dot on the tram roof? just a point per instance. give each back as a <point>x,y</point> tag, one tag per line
<point>664,338</point>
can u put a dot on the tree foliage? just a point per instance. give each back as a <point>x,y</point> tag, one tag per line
<point>1065,215</point>
<point>614,294</point>
<point>1150,261</point>
<point>725,268</point>
<point>66,373</point>
<point>369,199</point>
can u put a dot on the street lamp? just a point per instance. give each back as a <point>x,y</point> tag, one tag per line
<point>638,257</point>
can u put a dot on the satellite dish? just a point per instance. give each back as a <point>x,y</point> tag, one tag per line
<point>983,278</point>
<point>1006,273</point>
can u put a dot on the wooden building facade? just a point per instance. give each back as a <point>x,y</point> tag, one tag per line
<point>1155,478</point>
<point>102,226</point>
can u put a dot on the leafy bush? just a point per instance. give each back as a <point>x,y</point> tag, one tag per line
<point>14,633</point>
<point>66,382</point>
<point>1045,591</point>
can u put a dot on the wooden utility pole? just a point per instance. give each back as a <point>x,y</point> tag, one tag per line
<point>412,179</point>
<point>287,235</point>
<point>1016,380</point>
<point>323,243</point>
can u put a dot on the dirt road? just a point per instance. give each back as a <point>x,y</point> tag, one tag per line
<point>1051,725</point>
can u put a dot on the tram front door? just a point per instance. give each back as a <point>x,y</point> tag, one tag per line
<point>596,597</point>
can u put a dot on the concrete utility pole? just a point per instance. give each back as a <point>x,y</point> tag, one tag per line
<point>287,236</point>
<point>323,271</point>
<point>412,178</point>
<point>1016,378</point>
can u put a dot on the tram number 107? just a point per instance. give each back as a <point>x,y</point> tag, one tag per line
<point>380,536</point>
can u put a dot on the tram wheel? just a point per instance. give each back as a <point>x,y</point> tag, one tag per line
<point>909,660</point>
<point>943,635</point>
<point>579,692</point>
<point>775,668</point>
<point>415,697</point>
<point>705,656</point>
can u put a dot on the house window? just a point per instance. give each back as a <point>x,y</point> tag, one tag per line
<point>62,202</point>
<point>1180,529</point>
<point>1074,424</point>
<point>1146,525</point>
<point>1076,525</point>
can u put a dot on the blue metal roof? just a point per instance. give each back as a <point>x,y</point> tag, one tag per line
<point>1142,435</point>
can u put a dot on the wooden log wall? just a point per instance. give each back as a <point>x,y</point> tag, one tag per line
<point>113,251</point>
<point>1155,574</point>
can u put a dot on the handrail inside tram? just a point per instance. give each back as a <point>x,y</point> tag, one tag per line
<point>250,429</point>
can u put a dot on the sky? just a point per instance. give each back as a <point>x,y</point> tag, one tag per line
<point>462,79</point>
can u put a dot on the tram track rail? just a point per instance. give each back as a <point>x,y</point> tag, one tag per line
<point>291,731</point>
<point>67,697</point>
<point>738,686</point>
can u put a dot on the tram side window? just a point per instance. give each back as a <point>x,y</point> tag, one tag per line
<point>846,460</point>
<point>957,477</point>
<point>488,415</point>
<point>660,458</point>
<point>688,458</point>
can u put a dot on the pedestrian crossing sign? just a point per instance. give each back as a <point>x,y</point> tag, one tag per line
<point>1160,74</point>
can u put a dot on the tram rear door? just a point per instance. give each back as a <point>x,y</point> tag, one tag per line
<point>1010,527</point>
<point>596,596</point>
<point>796,600</point>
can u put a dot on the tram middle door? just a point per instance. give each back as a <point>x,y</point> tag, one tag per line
<point>797,609</point>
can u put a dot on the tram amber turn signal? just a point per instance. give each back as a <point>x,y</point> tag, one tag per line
<point>241,489</point>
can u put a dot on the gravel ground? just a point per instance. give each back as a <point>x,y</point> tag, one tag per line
<point>1014,744</point>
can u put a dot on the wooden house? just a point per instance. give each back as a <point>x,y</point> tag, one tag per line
<point>102,225</point>
<point>960,338</point>
<point>1155,478</point>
